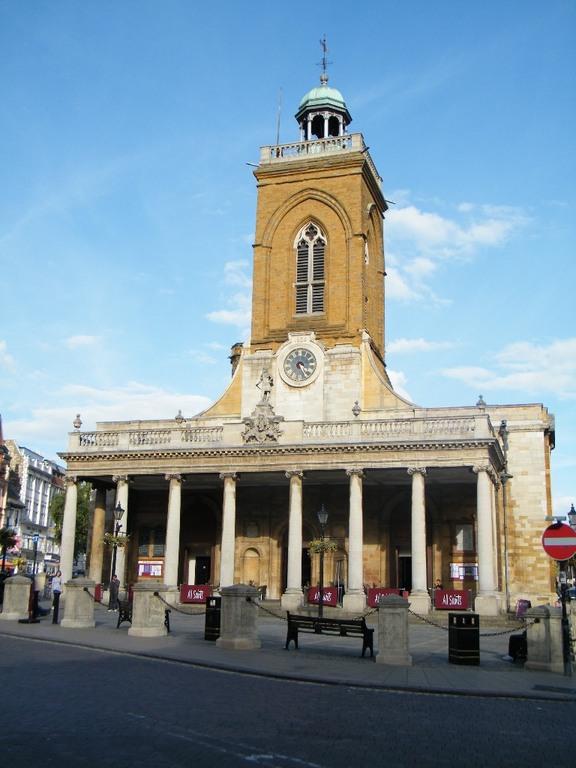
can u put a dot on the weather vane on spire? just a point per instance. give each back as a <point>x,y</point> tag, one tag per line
<point>324,63</point>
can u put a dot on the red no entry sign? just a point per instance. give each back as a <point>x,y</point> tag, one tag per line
<point>559,541</point>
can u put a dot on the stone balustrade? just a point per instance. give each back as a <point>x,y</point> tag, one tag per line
<point>301,150</point>
<point>364,430</point>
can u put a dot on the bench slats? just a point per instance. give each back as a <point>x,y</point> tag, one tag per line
<point>322,626</point>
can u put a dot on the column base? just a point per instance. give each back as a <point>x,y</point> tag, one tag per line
<point>354,602</point>
<point>77,624</point>
<point>238,643</point>
<point>487,605</point>
<point>147,631</point>
<point>292,600</point>
<point>419,602</point>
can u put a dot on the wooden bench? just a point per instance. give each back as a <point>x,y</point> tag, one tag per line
<point>124,612</point>
<point>340,627</point>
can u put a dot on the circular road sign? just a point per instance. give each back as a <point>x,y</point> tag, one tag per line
<point>559,541</point>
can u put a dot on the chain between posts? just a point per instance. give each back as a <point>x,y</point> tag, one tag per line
<point>266,610</point>
<point>482,634</point>
<point>178,610</point>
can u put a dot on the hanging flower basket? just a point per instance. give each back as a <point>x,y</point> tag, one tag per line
<point>316,546</point>
<point>111,540</point>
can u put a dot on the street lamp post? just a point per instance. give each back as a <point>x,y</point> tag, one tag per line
<point>118,512</point>
<point>322,519</point>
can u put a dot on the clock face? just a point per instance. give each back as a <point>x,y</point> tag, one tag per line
<point>300,364</point>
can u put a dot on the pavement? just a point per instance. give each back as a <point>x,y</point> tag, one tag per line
<point>327,660</point>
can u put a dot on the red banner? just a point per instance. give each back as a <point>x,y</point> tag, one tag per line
<point>329,595</point>
<point>195,593</point>
<point>451,599</point>
<point>376,593</point>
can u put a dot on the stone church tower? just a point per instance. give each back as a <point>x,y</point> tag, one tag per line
<point>310,421</point>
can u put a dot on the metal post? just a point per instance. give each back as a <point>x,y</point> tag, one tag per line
<point>322,518</point>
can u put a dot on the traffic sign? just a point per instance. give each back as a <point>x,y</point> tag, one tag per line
<point>559,541</point>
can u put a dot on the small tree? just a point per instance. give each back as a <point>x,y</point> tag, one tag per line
<point>7,540</point>
<point>82,517</point>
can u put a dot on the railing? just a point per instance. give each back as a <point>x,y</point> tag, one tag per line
<point>349,142</point>
<point>359,431</point>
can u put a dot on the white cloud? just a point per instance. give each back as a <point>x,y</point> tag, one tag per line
<point>419,241</point>
<point>5,359</point>
<point>81,341</point>
<point>528,368</point>
<point>235,273</point>
<point>417,345</point>
<point>239,315</point>
<point>134,401</point>
<point>398,381</point>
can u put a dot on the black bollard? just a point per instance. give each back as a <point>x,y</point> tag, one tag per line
<point>56,606</point>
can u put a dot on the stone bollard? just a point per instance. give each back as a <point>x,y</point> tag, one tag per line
<point>148,611</point>
<point>544,639</point>
<point>79,605</point>
<point>393,631</point>
<point>239,618</point>
<point>16,598</point>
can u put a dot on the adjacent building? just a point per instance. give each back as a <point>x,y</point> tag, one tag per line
<point>310,420</point>
<point>35,480</point>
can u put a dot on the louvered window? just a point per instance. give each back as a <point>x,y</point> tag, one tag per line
<point>310,253</point>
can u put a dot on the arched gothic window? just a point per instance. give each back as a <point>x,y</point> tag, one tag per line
<point>310,253</point>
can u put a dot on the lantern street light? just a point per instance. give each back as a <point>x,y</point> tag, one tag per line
<point>572,517</point>
<point>117,512</point>
<point>322,519</point>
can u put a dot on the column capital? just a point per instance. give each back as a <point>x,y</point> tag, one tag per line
<point>175,476</point>
<point>70,479</point>
<point>477,468</point>
<point>355,471</point>
<point>229,476</point>
<point>120,478</point>
<point>294,473</point>
<point>416,471</point>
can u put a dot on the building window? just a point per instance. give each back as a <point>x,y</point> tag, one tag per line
<point>310,254</point>
<point>463,537</point>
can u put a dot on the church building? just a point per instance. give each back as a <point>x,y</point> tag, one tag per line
<point>310,421</point>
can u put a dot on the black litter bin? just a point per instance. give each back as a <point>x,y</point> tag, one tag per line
<point>213,611</point>
<point>464,638</point>
<point>518,647</point>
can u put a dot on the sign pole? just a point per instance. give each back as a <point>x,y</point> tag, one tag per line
<point>559,542</point>
<point>565,627</point>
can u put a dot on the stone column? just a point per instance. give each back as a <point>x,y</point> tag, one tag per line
<point>292,599</point>
<point>172,550</point>
<point>355,599</point>
<point>228,529</point>
<point>148,611</point>
<point>97,545</point>
<point>486,603</point>
<point>544,639</point>
<point>79,605</point>
<point>393,631</point>
<point>16,598</point>
<point>69,528</point>
<point>122,499</point>
<point>239,619</point>
<point>419,597</point>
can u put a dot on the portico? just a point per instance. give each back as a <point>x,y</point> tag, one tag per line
<point>310,418</point>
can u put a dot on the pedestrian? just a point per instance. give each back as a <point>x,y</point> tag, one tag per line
<point>56,592</point>
<point>113,590</point>
<point>438,584</point>
<point>57,583</point>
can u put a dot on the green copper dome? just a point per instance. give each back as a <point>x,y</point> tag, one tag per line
<point>324,98</point>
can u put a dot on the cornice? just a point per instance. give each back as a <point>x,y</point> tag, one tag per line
<point>276,450</point>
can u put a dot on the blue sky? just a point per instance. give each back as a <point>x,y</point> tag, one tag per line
<point>127,207</point>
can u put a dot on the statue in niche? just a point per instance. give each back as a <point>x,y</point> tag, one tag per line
<point>265,384</point>
<point>262,426</point>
